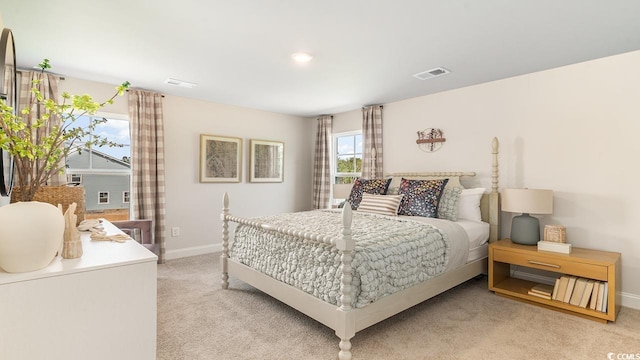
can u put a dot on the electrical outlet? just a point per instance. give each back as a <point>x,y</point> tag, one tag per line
<point>175,231</point>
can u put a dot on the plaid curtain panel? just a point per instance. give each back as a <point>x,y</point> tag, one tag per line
<point>372,138</point>
<point>48,87</point>
<point>147,157</point>
<point>322,165</point>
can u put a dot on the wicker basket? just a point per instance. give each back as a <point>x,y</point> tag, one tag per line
<point>555,233</point>
<point>63,195</point>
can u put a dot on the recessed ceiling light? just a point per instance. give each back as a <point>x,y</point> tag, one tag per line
<point>180,83</point>
<point>301,57</point>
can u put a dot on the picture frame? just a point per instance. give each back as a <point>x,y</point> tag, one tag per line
<point>220,159</point>
<point>266,163</point>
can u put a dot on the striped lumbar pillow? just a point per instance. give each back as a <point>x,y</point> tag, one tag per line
<point>380,204</point>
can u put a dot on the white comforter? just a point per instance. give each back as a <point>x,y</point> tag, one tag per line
<point>391,253</point>
<point>458,239</point>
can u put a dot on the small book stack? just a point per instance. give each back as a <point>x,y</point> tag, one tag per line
<point>542,291</point>
<point>582,292</point>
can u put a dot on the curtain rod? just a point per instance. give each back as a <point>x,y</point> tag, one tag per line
<point>364,107</point>
<point>61,77</point>
<point>148,90</point>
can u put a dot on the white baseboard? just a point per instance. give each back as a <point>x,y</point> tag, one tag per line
<point>192,251</point>
<point>629,300</point>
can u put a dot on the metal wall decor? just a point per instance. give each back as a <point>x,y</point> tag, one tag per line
<point>430,140</point>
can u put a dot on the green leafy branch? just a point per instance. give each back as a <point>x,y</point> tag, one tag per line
<point>38,153</point>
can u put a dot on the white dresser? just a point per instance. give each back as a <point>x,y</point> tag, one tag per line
<point>100,306</point>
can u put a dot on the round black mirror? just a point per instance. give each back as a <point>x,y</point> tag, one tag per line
<point>8,93</point>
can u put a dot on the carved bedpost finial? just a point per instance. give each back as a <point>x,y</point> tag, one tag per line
<point>347,217</point>
<point>494,165</point>
<point>225,201</point>
<point>346,245</point>
<point>494,197</point>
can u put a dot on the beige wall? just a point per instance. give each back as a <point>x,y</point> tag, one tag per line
<point>572,129</point>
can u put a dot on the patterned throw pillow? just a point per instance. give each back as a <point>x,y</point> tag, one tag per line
<point>380,204</point>
<point>448,205</point>
<point>421,197</point>
<point>371,186</point>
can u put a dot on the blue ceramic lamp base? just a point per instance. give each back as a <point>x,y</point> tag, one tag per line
<point>525,230</point>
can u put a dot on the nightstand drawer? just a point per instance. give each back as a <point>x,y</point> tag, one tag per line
<point>582,263</point>
<point>551,263</point>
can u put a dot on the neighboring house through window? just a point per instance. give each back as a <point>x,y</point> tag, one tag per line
<point>103,170</point>
<point>348,157</point>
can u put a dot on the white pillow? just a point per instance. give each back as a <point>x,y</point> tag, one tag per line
<point>469,204</point>
<point>380,204</point>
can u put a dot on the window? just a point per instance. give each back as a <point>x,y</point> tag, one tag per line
<point>103,197</point>
<point>103,170</point>
<point>75,179</point>
<point>114,159</point>
<point>348,157</point>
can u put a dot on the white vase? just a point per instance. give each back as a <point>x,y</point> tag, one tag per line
<point>31,234</point>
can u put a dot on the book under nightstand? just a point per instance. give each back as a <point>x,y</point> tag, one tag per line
<point>601,266</point>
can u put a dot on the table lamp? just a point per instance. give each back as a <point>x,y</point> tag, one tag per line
<point>525,229</point>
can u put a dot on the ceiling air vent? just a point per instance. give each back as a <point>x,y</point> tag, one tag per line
<point>180,83</point>
<point>431,73</point>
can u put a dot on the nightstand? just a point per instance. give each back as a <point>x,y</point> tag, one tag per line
<point>585,263</point>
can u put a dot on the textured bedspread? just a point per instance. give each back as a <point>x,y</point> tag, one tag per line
<point>391,254</point>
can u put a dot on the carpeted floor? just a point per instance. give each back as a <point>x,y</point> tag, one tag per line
<point>199,320</point>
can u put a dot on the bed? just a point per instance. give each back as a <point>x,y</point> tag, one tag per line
<point>348,304</point>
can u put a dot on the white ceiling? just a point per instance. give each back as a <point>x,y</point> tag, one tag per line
<point>365,52</point>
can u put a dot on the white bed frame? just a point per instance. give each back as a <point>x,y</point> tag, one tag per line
<point>344,319</point>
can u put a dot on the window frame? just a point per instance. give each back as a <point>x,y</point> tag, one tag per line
<point>90,170</point>
<point>71,176</point>
<point>334,166</point>
<point>105,200</point>
<point>100,198</point>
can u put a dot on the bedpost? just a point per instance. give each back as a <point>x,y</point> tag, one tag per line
<point>225,240</point>
<point>345,324</point>
<point>494,196</point>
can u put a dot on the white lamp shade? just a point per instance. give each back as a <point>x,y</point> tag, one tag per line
<point>342,191</point>
<point>527,201</point>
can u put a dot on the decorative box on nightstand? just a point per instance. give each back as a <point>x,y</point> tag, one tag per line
<point>590,264</point>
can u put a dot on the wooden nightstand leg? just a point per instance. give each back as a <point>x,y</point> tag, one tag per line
<point>498,272</point>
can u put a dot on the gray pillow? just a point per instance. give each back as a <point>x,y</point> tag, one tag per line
<point>448,205</point>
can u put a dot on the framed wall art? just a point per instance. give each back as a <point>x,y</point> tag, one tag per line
<point>220,159</point>
<point>267,161</point>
